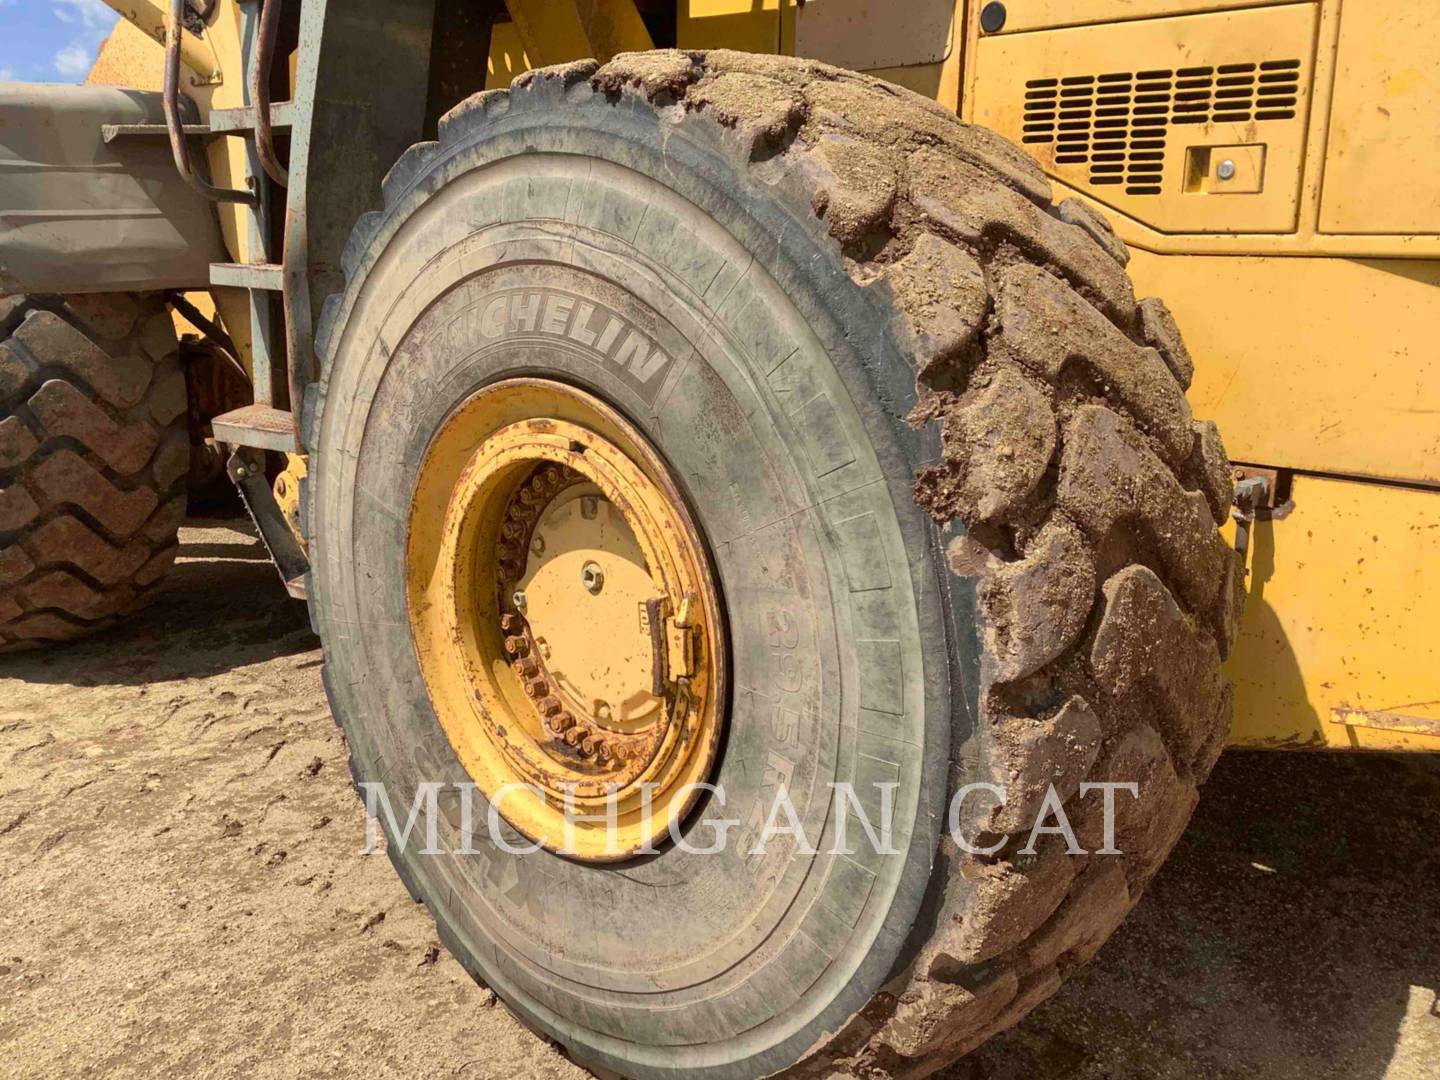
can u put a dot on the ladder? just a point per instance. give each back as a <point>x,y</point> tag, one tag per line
<point>269,423</point>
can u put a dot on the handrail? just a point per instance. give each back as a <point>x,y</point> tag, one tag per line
<point>260,93</point>
<point>174,123</point>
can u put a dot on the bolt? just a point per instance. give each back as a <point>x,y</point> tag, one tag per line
<point>519,600</point>
<point>241,472</point>
<point>1225,170</point>
<point>588,745</point>
<point>538,545</point>
<point>561,722</point>
<point>602,711</point>
<point>592,577</point>
<point>589,506</point>
<point>544,648</point>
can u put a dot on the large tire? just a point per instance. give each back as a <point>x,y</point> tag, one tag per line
<point>93,458</point>
<point>922,418</point>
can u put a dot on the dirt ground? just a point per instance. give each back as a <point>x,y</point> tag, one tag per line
<point>182,894</point>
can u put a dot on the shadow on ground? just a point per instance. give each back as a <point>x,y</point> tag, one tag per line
<point>223,600</point>
<point>1292,934</point>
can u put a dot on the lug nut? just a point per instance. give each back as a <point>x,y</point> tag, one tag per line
<point>519,600</point>
<point>548,706</point>
<point>517,646</point>
<point>561,722</point>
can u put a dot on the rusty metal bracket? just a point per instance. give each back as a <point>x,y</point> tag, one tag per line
<point>1274,487</point>
<point>175,123</point>
<point>1250,493</point>
<point>246,468</point>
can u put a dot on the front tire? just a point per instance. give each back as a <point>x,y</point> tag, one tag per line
<point>963,524</point>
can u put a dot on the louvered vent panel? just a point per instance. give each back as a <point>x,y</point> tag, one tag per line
<point>1116,122</point>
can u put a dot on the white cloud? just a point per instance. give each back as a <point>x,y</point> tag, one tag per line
<point>92,22</point>
<point>90,13</point>
<point>5,72</point>
<point>73,62</point>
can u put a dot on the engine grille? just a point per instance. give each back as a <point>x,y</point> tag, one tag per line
<point>1117,122</point>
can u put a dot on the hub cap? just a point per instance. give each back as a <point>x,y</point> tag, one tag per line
<point>565,618</point>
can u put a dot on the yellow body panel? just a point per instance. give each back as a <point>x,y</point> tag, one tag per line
<point>1049,14</point>
<point>1385,121</point>
<point>1324,365</point>
<point>1323,144</point>
<point>1339,646</point>
<point>747,25</point>
<point>554,31</point>
<point>1109,109</point>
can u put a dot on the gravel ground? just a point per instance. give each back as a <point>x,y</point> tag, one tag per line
<point>182,894</point>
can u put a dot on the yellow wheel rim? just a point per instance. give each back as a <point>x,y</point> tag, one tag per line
<point>565,618</point>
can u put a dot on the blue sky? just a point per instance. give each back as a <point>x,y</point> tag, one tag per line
<point>51,40</point>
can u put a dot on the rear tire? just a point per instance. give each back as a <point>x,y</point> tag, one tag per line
<point>93,459</point>
<point>922,417</point>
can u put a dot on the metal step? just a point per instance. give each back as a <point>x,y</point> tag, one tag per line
<point>249,275</point>
<point>110,132</point>
<point>261,426</point>
<point>222,121</point>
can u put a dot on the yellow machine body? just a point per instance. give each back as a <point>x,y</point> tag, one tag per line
<point>1270,166</point>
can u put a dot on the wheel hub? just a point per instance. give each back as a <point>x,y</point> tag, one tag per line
<point>566,619</point>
